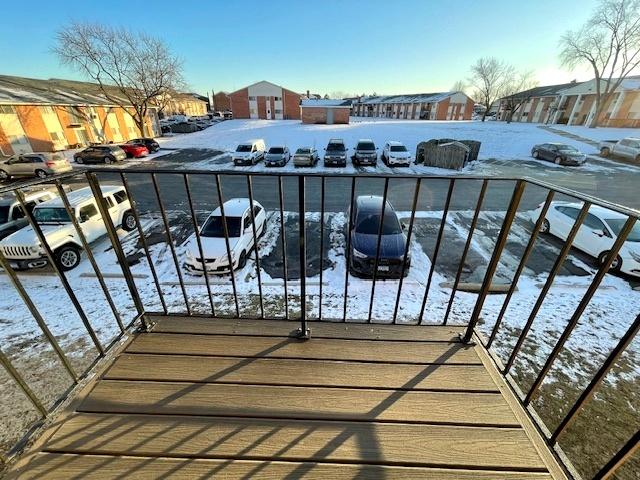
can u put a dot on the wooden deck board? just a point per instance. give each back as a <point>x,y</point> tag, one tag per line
<point>431,333</point>
<point>275,371</point>
<point>297,402</point>
<point>240,399</point>
<point>104,467</point>
<point>262,439</point>
<point>327,349</point>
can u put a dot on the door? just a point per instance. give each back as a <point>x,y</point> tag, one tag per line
<point>267,106</point>
<point>562,220</point>
<point>246,240</point>
<point>20,165</point>
<point>329,116</point>
<point>113,209</point>
<point>593,237</point>
<point>91,222</point>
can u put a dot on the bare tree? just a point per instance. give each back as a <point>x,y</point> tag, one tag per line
<point>459,86</point>
<point>610,43</point>
<point>132,70</point>
<point>489,76</point>
<point>517,92</point>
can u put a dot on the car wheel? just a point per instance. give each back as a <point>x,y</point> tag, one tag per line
<point>545,227</point>
<point>242,262</point>
<point>4,175</point>
<point>41,173</point>
<point>605,152</point>
<point>558,161</point>
<point>535,154</point>
<point>616,265</point>
<point>129,221</point>
<point>78,159</point>
<point>107,160</point>
<point>637,158</point>
<point>68,257</point>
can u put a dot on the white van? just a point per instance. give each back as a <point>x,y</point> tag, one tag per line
<point>249,153</point>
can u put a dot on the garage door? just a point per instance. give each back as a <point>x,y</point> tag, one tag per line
<point>329,116</point>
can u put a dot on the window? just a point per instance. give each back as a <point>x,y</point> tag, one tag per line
<point>247,221</point>
<point>87,212</point>
<point>75,115</point>
<point>7,109</point>
<point>214,227</point>
<point>252,111</point>
<point>252,99</point>
<point>109,201</point>
<point>33,159</point>
<point>18,213</point>
<point>256,211</point>
<point>594,222</point>
<point>47,109</point>
<point>57,136</point>
<point>569,212</point>
<point>277,99</point>
<point>277,110</point>
<point>51,215</point>
<point>120,196</point>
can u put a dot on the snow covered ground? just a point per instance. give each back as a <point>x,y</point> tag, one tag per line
<point>599,134</point>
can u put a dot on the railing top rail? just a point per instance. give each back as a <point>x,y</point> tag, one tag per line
<point>323,174</point>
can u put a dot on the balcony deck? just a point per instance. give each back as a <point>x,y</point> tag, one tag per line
<point>200,398</point>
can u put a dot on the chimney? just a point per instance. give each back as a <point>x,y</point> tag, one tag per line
<point>308,95</point>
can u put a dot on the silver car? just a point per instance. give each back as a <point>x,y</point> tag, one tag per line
<point>40,164</point>
<point>277,157</point>
<point>306,157</point>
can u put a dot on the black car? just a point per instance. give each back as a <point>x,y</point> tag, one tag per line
<point>558,153</point>
<point>365,220</point>
<point>335,153</point>
<point>100,154</point>
<point>150,143</point>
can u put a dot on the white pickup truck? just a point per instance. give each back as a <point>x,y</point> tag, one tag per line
<point>627,148</point>
<point>23,250</point>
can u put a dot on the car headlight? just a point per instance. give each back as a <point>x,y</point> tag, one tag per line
<point>635,256</point>
<point>359,254</point>
<point>34,249</point>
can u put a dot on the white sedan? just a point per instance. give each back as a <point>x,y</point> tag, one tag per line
<point>212,236</point>
<point>597,234</point>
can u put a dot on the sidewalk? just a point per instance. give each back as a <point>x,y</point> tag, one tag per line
<point>572,136</point>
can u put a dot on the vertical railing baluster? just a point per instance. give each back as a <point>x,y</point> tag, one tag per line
<point>547,286</point>
<point>436,249</point>
<point>61,275</point>
<point>92,179</point>
<point>321,244</point>
<point>495,258</point>
<point>587,394</point>
<point>347,252</point>
<point>172,248</point>
<point>143,241</point>
<point>303,331</point>
<point>407,247</point>
<point>284,248</point>
<point>225,228</point>
<point>256,250</point>
<point>620,458</point>
<point>6,363</point>
<point>37,317</point>
<point>520,269</point>
<point>379,241</point>
<point>602,271</point>
<point>89,252</point>
<point>465,250</point>
<point>196,231</point>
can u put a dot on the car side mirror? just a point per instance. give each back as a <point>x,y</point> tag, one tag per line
<point>84,217</point>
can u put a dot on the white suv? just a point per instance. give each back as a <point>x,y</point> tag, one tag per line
<point>212,236</point>
<point>249,153</point>
<point>395,153</point>
<point>12,217</point>
<point>23,250</point>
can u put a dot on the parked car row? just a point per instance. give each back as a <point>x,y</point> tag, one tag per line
<point>335,154</point>
<point>186,124</point>
<point>38,164</point>
<point>563,154</point>
<point>135,148</point>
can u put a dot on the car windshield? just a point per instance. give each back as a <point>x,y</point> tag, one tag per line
<point>303,150</point>
<point>398,148</point>
<point>568,148</point>
<point>4,213</point>
<point>366,146</point>
<point>213,227</point>
<point>369,223</point>
<point>276,150</point>
<point>335,147</point>
<point>50,214</point>
<point>243,148</point>
<point>616,225</point>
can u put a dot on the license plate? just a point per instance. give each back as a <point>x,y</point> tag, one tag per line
<point>383,268</point>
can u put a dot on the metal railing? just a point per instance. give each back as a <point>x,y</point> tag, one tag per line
<point>212,186</point>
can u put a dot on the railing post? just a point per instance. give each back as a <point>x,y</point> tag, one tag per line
<point>495,258</point>
<point>117,247</point>
<point>6,363</point>
<point>624,454</point>
<point>303,331</point>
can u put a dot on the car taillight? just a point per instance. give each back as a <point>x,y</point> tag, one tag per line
<point>51,164</point>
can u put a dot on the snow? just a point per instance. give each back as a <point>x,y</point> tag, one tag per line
<point>499,140</point>
<point>599,134</point>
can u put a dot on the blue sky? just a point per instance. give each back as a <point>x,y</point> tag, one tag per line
<point>366,46</point>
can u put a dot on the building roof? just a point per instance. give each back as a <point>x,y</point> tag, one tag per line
<point>545,91</point>
<point>322,102</point>
<point>262,81</point>
<point>56,91</point>
<point>408,98</point>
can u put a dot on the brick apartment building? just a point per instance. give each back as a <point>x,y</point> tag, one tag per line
<point>265,100</point>
<point>420,106</point>
<point>221,102</point>
<point>325,111</point>
<point>39,115</point>
<point>574,104</point>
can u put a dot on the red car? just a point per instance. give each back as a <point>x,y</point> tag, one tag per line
<point>134,150</point>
